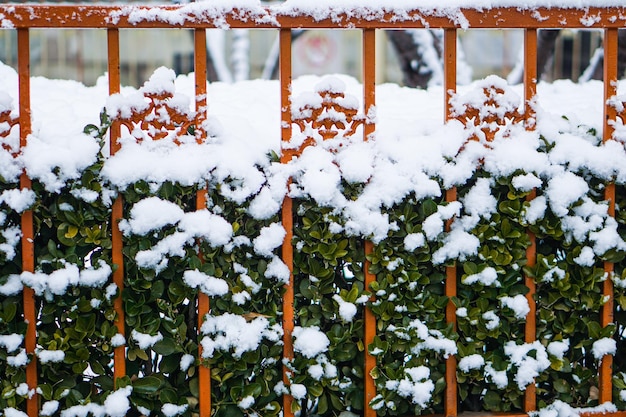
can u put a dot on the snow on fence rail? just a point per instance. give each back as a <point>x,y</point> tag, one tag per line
<point>394,293</point>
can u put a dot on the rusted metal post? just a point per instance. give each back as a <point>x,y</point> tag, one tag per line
<point>28,234</point>
<point>119,354</point>
<point>610,114</point>
<point>449,86</point>
<point>530,91</point>
<point>369,101</point>
<point>200,72</point>
<point>287,208</point>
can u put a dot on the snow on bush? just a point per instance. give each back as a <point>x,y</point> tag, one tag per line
<point>527,367</point>
<point>519,305</point>
<point>207,284</point>
<point>416,385</point>
<point>11,342</point>
<point>145,341</point>
<point>470,362</point>
<point>309,341</point>
<point>57,282</point>
<point>389,190</point>
<point>604,346</point>
<point>230,331</point>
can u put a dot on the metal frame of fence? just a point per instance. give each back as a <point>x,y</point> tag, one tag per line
<point>112,18</point>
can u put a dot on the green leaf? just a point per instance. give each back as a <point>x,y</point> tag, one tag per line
<point>146,385</point>
<point>254,390</point>
<point>492,400</point>
<point>194,387</point>
<point>322,405</point>
<point>46,391</point>
<point>561,385</point>
<point>168,396</point>
<point>315,390</point>
<point>166,346</point>
<point>10,309</point>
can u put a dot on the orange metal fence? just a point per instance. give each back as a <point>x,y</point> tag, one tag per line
<point>112,18</point>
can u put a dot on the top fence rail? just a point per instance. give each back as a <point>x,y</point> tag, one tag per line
<point>208,15</point>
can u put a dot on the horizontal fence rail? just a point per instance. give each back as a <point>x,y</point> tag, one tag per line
<point>201,17</point>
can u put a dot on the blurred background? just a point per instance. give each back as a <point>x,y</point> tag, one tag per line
<point>408,57</point>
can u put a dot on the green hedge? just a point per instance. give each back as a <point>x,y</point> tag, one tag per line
<point>168,262</point>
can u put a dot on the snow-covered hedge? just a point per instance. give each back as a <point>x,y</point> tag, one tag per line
<point>389,190</point>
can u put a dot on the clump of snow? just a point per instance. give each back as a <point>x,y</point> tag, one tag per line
<point>145,341</point>
<point>518,303</point>
<point>117,403</point>
<point>564,190</point>
<point>150,214</point>
<point>57,282</point>
<point>231,331</point>
<point>416,385</point>
<point>246,402</point>
<point>171,410</point>
<point>499,378</point>
<point>586,257</point>
<point>467,363</point>
<point>492,321</point>
<point>209,285</point>
<point>277,269</point>
<point>49,408</point>
<point>347,310</point>
<point>22,389</point>
<point>604,346</point>
<point>430,339</point>
<point>526,182</point>
<point>558,348</point>
<point>536,209</point>
<point>433,224</point>
<point>479,202</point>
<point>18,200</point>
<point>153,213</point>
<point>186,361</point>
<point>561,409</point>
<point>458,244</point>
<point>18,360</point>
<point>527,367</point>
<point>12,412</point>
<point>280,388</point>
<point>487,277</point>
<point>11,342</point>
<point>298,391</point>
<point>46,356</point>
<point>309,341</point>
<point>413,241</point>
<point>269,239</point>
<point>118,340</point>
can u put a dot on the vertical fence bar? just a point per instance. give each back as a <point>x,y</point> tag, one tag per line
<point>530,91</point>
<point>28,234</point>
<point>287,208</point>
<point>119,354</point>
<point>369,101</point>
<point>530,75</point>
<point>200,74</point>
<point>449,68</point>
<point>610,114</point>
<point>449,86</point>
